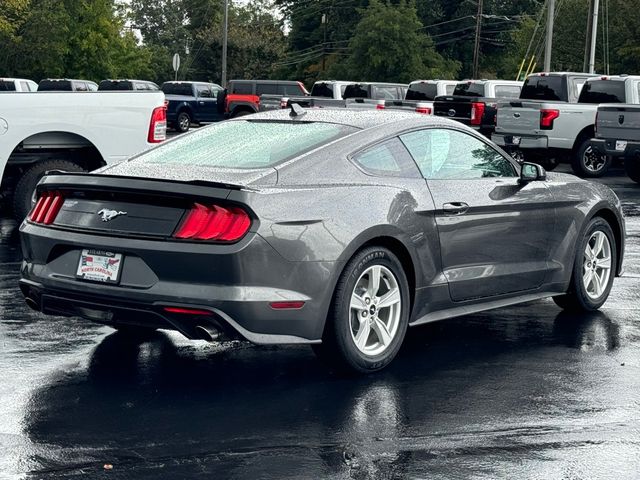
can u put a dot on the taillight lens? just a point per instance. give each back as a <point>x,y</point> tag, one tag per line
<point>477,111</point>
<point>423,109</point>
<point>547,116</point>
<point>158,125</point>
<point>380,104</point>
<point>47,208</point>
<point>214,222</point>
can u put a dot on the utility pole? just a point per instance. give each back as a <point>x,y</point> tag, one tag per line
<point>324,43</point>
<point>594,36</point>
<point>587,39</point>
<point>549,45</point>
<point>476,49</point>
<point>225,35</point>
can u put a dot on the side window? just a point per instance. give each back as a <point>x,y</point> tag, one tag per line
<point>388,159</point>
<point>139,86</point>
<point>80,86</point>
<point>204,91</point>
<point>24,86</point>
<point>449,89</point>
<point>290,90</point>
<point>266,89</point>
<point>638,87</point>
<point>242,89</point>
<point>386,93</point>
<point>576,86</point>
<point>507,91</point>
<point>449,154</point>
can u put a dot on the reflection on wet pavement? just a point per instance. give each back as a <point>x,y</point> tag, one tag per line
<point>520,392</point>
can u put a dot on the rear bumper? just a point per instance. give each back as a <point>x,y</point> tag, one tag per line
<point>607,146</point>
<point>527,142</point>
<point>236,283</point>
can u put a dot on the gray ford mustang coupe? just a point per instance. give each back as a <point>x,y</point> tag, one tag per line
<point>333,228</point>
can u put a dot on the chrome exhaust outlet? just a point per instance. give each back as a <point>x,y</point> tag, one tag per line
<point>32,304</point>
<point>207,332</point>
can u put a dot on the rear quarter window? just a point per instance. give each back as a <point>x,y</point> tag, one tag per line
<point>387,159</point>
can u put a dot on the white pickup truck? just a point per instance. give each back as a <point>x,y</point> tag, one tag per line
<point>17,85</point>
<point>73,132</point>
<point>554,119</point>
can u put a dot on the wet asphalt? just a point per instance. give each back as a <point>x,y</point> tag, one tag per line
<point>522,392</point>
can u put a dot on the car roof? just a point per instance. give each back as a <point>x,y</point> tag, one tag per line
<point>357,118</point>
<point>292,82</point>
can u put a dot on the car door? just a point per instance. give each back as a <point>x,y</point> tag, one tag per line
<point>207,103</point>
<point>494,232</point>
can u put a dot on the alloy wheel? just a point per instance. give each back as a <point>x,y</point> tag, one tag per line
<point>596,269</point>
<point>375,309</point>
<point>592,160</point>
<point>184,122</point>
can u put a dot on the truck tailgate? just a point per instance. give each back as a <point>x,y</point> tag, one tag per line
<point>620,122</point>
<point>518,117</point>
<point>454,107</point>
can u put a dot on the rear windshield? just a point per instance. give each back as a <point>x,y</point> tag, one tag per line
<point>177,89</point>
<point>469,89</point>
<point>245,144</point>
<point>602,91</point>
<point>322,90</point>
<point>55,85</point>
<point>422,91</point>
<point>114,85</point>
<point>543,88</point>
<point>7,86</point>
<point>356,91</point>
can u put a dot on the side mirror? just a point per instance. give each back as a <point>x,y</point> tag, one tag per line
<point>531,172</point>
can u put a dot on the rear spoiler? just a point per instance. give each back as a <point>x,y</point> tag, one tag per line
<point>93,181</point>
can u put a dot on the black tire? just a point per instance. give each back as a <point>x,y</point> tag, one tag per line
<point>23,193</point>
<point>632,167</point>
<point>183,122</point>
<point>586,162</point>
<point>134,331</point>
<point>577,299</point>
<point>338,347</point>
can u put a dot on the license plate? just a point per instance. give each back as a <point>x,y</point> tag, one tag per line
<point>621,145</point>
<point>516,140</point>
<point>99,266</point>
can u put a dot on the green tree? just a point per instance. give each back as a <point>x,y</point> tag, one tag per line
<point>389,44</point>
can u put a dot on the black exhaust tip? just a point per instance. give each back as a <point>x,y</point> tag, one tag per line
<point>32,304</point>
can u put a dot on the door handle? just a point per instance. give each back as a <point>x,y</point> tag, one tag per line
<point>201,102</point>
<point>455,208</point>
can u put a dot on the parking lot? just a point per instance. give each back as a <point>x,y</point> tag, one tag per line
<point>520,392</point>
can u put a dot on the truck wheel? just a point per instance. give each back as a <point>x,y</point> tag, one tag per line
<point>632,167</point>
<point>587,162</point>
<point>183,122</point>
<point>369,313</point>
<point>23,194</point>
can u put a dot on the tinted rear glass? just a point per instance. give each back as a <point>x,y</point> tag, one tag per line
<point>422,91</point>
<point>322,90</point>
<point>54,85</point>
<point>469,89</point>
<point>603,91</point>
<point>114,85</point>
<point>177,89</point>
<point>245,144</point>
<point>356,91</point>
<point>543,88</point>
<point>7,86</point>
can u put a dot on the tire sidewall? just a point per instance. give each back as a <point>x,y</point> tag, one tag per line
<point>578,285</point>
<point>632,167</point>
<point>341,309</point>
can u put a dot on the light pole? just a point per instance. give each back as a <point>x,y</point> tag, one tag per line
<point>549,46</point>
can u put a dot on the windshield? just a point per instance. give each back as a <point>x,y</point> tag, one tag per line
<point>603,91</point>
<point>422,91</point>
<point>245,144</point>
<point>177,89</point>
<point>543,88</point>
<point>469,89</point>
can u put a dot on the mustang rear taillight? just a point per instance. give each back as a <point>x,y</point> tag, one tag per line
<point>213,222</point>
<point>547,116</point>
<point>47,208</point>
<point>477,111</point>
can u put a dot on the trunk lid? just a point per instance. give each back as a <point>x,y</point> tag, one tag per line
<point>618,122</point>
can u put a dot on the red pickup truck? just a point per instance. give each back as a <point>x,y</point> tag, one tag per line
<point>243,97</point>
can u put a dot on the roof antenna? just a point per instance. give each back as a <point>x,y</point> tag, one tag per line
<point>297,110</point>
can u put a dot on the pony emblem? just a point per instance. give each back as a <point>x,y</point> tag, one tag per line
<point>107,214</point>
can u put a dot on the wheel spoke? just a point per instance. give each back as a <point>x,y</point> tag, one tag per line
<point>363,334</point>
<point>390,298</point>
<point>597,284</point>
<point>381,332</point>
<point>587,278</point>
<point>588,252</point>
<point>357,302</point>
<point>374,281</point>
<point>597,249</point>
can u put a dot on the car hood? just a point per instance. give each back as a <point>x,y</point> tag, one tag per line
<point>191,173</point>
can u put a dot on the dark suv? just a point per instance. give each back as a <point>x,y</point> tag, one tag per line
<point>243,97</point>
<point>126,84</point>
<point>191,102</point>
<point>66,85</point>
